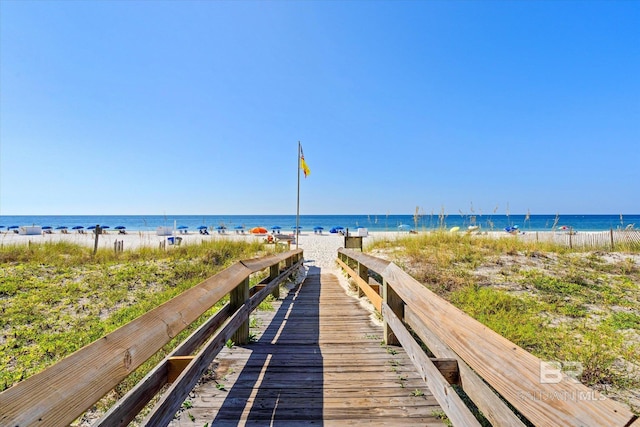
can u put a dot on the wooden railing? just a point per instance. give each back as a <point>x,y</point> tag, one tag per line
<point>64,391</point>
<point>496,374</point>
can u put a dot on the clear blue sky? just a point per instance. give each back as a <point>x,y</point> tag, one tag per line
<point>196,107</point>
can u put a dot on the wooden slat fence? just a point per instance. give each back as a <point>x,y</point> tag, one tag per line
<point>492,370</point>
<point>612,239</point>
<point>64,391</point>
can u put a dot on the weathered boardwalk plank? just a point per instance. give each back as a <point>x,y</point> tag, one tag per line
<point>317,360</point>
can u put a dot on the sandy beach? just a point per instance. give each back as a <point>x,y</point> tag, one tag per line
<point>319,249</point>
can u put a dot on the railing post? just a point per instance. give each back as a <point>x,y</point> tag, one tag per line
<point>396,305</point>
<point>238,296</point>
<point>274,270</point>
<point>363,273</point>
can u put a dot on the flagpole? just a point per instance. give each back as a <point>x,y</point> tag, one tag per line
<point>298,202</point>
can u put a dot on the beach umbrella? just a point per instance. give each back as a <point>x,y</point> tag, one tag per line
<point>78,227</point>
<point>104,226</point>
<point>221,227</point>
<point>318,228</point>
<point>91,227</point>
<point>62,227</point>
<point>336,229</point>
<point>202,227</point>
<point>180,227</point>
<point>299,227</point>
<point>11,227</point>
<point>46,227</point>
<point>122,227</point>
<point>239,227</point>
<point>258,230</point>
<point>1,226</point>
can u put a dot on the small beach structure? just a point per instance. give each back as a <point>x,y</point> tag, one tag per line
<point>30,230</point>
<point>164,231</point>
<point>276,229</point>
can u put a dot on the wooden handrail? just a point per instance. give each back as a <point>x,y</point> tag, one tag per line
<point>510,370</point>
<point>62,392</point>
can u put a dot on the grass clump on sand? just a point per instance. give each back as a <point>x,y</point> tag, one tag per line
<point>558,303</point>
<point>58,297</point>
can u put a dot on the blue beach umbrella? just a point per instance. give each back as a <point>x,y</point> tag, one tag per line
<point>336,229</point>
<point>11,227</point>
<point>239,227</point>
<point>91,227</point>
<point>62,227</point>
<point>46,227</point>
<point>1,226</point>
<point>180,227</point>
<point>78,227</point>
<point>276,227</point>
<point>299,227</point>
<point>104,226</point>
<point>202,227</point>
<point>119,227</point>
<point>318,228</point>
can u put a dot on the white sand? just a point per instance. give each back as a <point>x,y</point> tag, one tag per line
<point>319,249</point>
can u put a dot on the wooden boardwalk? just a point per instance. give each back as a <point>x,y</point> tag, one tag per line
<point>318,360</point>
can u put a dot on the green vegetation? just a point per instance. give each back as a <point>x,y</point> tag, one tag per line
<point>57,298</point>
<point>558,303</point>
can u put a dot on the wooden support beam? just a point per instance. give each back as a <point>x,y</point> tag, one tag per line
<point>125,410</point>
<point>488,402</point>
<point>395,304</point>
<point>237,298</point>
<point>274,271</point>
<point>363,275</point>
<point>451,403</point>
<point>175,366</point>
<point>373,295</point>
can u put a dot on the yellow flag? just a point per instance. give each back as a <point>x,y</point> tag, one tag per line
<point>303,164</point>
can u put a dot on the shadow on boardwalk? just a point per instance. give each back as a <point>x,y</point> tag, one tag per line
<point>282,377</point>
<point>317,360</point>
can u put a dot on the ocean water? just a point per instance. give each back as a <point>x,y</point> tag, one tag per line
<point>308,222</point>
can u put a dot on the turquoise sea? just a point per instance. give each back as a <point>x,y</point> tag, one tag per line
<point>308,222</point>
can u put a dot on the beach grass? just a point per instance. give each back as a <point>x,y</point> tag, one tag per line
<point>58,297</point>
<point>560,304</point>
